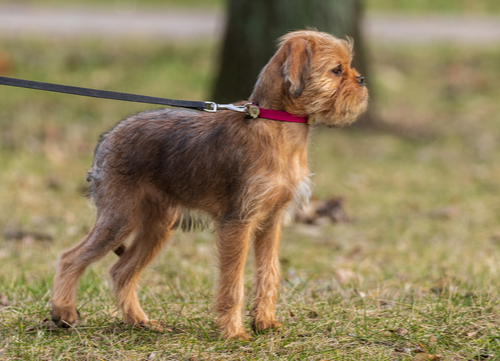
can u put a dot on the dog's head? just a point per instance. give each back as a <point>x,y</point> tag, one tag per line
<point>311,74</point>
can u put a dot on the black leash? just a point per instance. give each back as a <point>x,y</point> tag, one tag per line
<point>207,106</point>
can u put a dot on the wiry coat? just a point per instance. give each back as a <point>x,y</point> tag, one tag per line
<point>230,167</point>
<point>154,168</point>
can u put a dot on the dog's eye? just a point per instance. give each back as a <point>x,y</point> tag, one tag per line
<point>337,70</point>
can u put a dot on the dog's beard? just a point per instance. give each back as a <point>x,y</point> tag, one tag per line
<point>345,109</point>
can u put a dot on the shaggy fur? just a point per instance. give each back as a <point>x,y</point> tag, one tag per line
<point>155,167</point>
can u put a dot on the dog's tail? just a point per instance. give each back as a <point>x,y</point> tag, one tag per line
<point>95,173</point>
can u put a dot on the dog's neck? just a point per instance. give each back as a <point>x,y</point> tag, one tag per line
<point>269,100</point>
<point>296,133</point>
<point>268,91</point>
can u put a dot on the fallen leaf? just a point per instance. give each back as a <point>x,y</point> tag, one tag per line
<point>333,208</point>
<point>320,212</point>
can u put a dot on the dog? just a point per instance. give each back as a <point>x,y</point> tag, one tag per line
<point>153,169</point>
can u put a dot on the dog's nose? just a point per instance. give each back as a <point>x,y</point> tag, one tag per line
<point>361,80</point>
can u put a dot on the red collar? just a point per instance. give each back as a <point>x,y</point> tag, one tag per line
<point>278,115</point>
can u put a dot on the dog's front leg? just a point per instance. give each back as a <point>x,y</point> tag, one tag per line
<point>232,241</point>
<point>267,274</point>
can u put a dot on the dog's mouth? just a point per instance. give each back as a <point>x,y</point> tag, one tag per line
<point>347,105</point>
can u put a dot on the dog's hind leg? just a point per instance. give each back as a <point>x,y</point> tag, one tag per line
<point>153,232</point>
<point>110,230</point>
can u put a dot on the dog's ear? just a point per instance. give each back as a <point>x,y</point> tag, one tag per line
<point>296,66</point>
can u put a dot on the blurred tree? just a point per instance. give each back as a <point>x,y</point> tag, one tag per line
<point>253,27</point>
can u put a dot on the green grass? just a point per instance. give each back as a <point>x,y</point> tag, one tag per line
<point>415,270</point>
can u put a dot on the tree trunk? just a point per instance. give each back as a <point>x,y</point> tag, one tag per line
<point>254,26</point>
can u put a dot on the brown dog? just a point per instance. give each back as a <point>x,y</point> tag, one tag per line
<point>152,168</point>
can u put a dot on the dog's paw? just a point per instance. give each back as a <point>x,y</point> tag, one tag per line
<point>242,336</point>
<point>261,326</point>
<point>64,317</point>
<point>235,333</point>
<point>150,325</point>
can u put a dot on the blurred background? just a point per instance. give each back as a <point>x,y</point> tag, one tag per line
<point>431,67</point>
<point>418,175</point>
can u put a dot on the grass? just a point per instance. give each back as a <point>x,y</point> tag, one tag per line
<point>415,270</point>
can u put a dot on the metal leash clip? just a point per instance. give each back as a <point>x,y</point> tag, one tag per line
<point>212,107</point>
<point>234,108</point>
<point>248,108</point>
